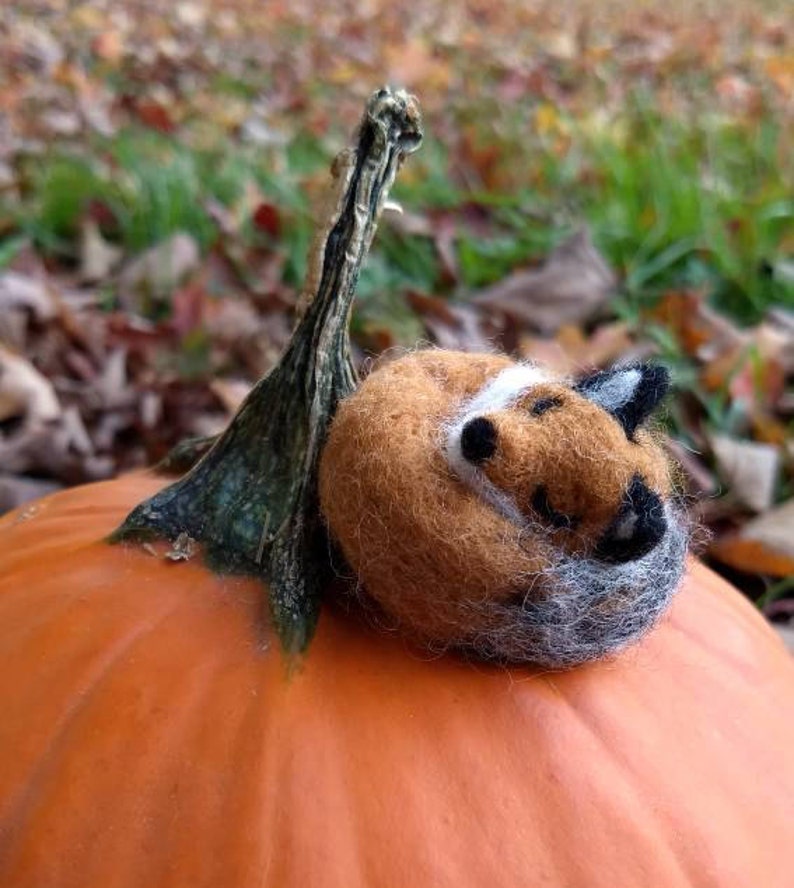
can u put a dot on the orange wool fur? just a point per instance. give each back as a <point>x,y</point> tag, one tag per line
<point>587,475</point>
<point>471,494</point>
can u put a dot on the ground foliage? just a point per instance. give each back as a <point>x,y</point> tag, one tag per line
<point>599,183</point>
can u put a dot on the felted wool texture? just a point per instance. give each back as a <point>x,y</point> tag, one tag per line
<point>579,455</point>
<point>453,570</point>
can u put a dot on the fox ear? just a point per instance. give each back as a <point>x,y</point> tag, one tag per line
<point>628,393</point>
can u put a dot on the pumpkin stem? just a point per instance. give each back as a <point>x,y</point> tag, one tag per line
<point>252,498</point>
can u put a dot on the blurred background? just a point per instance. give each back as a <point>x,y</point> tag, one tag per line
<point>600,182</point>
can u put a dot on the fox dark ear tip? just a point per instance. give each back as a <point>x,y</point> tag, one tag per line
<point>657,376</point>
<point>629,393</point>
<point>654,385</point>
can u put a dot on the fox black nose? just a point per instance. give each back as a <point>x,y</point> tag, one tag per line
<point>638,527</point>
<point>478,440</point>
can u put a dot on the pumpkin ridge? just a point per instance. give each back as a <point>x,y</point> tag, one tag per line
<point>95,677</point>
<point>694,862</point>
<point>158,791</point>
<point>623,764</point>
<point>739,666</point>
<point>189,692</point>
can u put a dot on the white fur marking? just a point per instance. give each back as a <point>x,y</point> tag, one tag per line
<point>503,390</point>
<point>616,390</point>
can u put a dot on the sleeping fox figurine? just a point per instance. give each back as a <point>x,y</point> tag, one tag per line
<point>491,506</point>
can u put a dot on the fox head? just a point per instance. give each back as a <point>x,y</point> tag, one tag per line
<point>568,457</point>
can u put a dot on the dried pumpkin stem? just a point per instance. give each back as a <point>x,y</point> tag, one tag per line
<point>252,498</point>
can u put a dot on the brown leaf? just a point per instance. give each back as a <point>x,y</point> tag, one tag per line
<point>154,274</point>
<point>764,545</point>
<point>18,489</point>
<point>188,308</point>
<point>702,332</point>
<point>47,449</point>
<point>452,326</point>
<point>701,480</point>
<point>97,257</point>
<point>571,351</point>
<point>154,115</point>
<point>230,392</point>
<point>24,392</point>
<point>749,469</point>
<point>415,62</point>
<point>108,46</point>
<point>266,218</point>
<point>30,293</point>
<point>570,287</point>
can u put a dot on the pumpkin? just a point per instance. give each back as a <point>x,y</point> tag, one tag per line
<point>147,738</point>
<point>162,727</point>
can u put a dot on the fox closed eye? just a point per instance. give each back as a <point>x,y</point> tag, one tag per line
<point>543,405</point>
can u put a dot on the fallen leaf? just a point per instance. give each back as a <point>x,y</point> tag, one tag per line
<point>415,62</point>
<point>266,218</point>
<point>188,308</point>
<point>702,332</point>
<point>738,92</point>
<point>230,392</point>
<point>97,257</point>
<point>108,46</point>
<point>458,327</point>
<point>569,288</point>
<point>571,351</point>
<point>8,177</point>
<point>46,449</point>
<point>764,545</point>
<point>24,391</point>
<point>15,490</point>
<point>111,389</point>
<point>254,340</point>
<point>701,481</point>
<point>74,432</point>
<point>776,333</point>
<point>39,50</point>
<point>781,72</point>
<point>153,275</point>
<point>749,469</point>
<point>29,293</point>
<point>154,115</point>
<point>61,123</point>
<point>445,235</point>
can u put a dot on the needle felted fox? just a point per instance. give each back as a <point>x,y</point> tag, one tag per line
<point>489,505</point>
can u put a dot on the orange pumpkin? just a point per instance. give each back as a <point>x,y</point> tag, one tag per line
<point>148,739</point>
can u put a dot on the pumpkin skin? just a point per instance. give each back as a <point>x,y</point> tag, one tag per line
<point>148,738</point>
